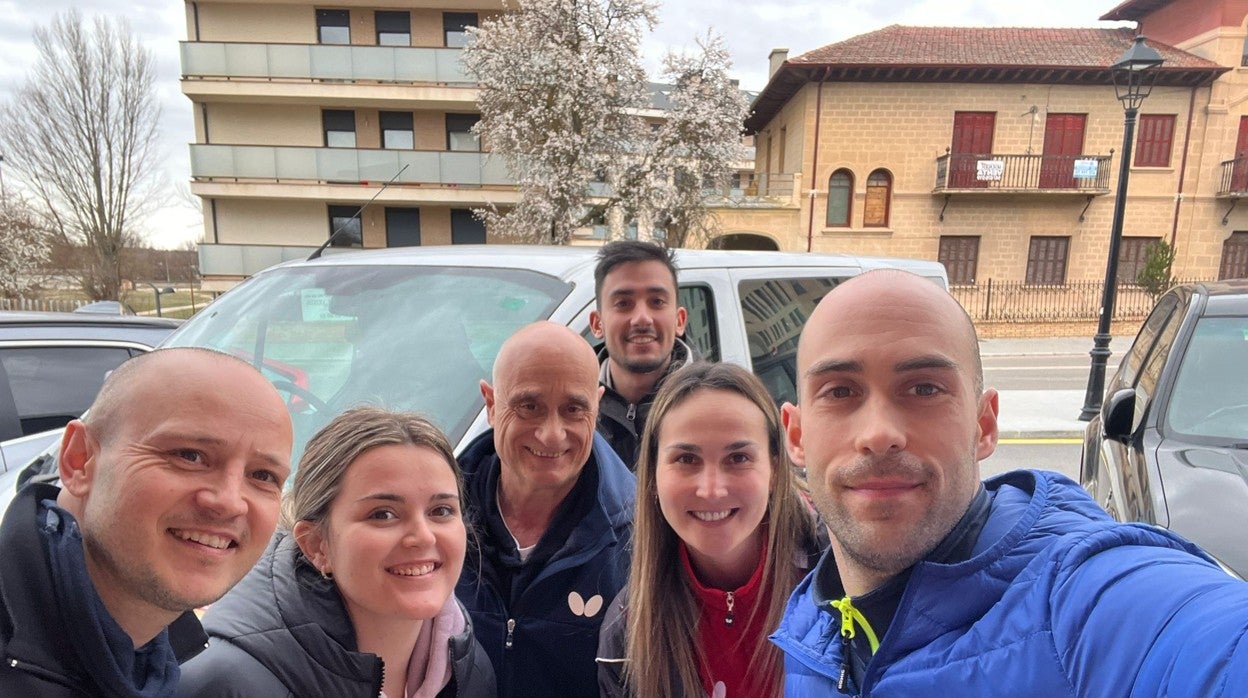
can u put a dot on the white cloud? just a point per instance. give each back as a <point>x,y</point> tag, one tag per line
<point>750,30</point>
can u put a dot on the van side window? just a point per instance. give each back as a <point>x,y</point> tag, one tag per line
<point>700,330</point>
<point>775,310</point>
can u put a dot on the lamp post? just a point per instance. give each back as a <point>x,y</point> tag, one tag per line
<point>159,292</point>
<point>1134,74</point>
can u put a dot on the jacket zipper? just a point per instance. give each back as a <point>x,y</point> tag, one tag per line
<point>731,600</point>
<point>511,628</point>
<point>632,412</point>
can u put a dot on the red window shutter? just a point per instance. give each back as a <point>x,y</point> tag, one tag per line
<point>1154,141</point>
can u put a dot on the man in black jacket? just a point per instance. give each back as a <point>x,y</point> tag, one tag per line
<point>171,488</point>
<point>639,317</point>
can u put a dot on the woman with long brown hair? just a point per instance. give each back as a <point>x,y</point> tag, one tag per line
<point>722,535</point>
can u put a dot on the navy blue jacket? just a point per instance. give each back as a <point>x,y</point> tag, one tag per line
<point>542,638</point>
<point>1057,599</point>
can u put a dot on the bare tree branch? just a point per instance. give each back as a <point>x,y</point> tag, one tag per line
<point>81,135</point>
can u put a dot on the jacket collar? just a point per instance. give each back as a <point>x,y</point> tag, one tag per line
<point>682,353</point>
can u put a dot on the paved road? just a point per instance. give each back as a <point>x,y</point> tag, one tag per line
<point>1060,455</point>
<point>1056,372</point>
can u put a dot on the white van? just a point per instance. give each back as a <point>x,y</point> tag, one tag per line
<point>417,328</point>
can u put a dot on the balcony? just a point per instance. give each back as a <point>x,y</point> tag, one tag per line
<point>1234,181</point>
<point>245,260</point>
<point>316,62</point>
<point>346,165</point>
<point>1087,175</point>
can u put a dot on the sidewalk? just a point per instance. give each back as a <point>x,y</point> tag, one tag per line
<point>1045,414</point>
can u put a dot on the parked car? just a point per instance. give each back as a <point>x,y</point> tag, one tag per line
<point>418,328</point>
<point>1170,446</point>
<point>51,366</point>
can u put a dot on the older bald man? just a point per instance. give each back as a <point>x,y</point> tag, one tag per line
<point>553,508</point>
<point>937,584</point>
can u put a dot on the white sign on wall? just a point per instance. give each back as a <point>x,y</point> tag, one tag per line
<point>1085,169</point>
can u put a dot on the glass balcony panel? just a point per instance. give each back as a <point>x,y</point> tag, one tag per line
<point>296,163</point>
<point>212,160</point>
<point>374,62</point>
<point>255,162</point>
<point>494,171</point>
<point>449,67</point>
<point>332,62</point>
<point>422,167</point>
<point>377,165</point>
<point>200,58</point>
<point>290,60</point>
<point>461,168</point>
<point>338,165</point>
<point>246,60</point>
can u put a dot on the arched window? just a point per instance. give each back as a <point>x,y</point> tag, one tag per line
<point>840,195</point>
<point>879,196</point>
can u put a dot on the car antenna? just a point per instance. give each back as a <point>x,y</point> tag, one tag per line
<point>333,235</point>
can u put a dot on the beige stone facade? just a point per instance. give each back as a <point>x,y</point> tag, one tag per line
<point>905,128</point>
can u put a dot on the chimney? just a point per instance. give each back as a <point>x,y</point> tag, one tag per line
<point>777,58</point>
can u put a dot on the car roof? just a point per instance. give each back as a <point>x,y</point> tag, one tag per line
<point>568,261</point>
<point>20,326</point>
<point>1228,297</point>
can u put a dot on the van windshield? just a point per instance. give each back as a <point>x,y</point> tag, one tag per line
<point>416,338</point>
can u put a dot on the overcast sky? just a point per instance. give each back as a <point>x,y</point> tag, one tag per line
<point>750,30</point>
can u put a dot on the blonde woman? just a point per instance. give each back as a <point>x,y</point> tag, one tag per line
<point>355,597</point>
<point>722,534</point>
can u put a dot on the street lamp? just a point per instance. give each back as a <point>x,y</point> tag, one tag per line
<point>159,292</point>
<point>1134,74</point>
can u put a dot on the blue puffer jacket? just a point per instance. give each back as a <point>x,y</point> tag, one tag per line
<point>1056,600</point>
<point>542,640</point>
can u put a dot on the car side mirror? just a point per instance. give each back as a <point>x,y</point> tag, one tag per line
<point>1118,415</point>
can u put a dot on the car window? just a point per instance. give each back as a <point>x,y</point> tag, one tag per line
<point>700,331</point>
<point>1150,374</point>
<point>53,385</point>
<point>1210,394</point>
<point>774,311</point>
<point>404,337</point>
<point>1144,339</point>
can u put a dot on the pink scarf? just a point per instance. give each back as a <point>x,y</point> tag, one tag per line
<point>429,669</point>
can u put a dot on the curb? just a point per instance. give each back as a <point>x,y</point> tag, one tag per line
<point>1042,434</point>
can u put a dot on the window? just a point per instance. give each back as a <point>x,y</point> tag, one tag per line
<point>396,130</point>
<point>1234,257</point>
<point>53,385</point>
<point>466,229</point>
<point>879,191</point>
<point>1046,259</point>
<point>402,227</point>
<point>840,198</point>
<point>774,311</point>
<point>1131,255</point>
<point>459,135</point>
<point>333,26</point>
<point>344,221</point>
<point>455,27</point>
<point>339,127</point>
<point>1152,147</point>
<point>393,28</point>
<point>960,255</point>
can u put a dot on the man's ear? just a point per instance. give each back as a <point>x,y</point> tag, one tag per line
<point>989,430</point>
<point>595,324</point>
<point>77,463</point>
<point>310,540</point>
<point>791,418</point>
<point>682,316</point>
<point>487,392</point>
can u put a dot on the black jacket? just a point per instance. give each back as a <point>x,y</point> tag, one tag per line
<point>621,423</point>
<point>283,631</point>
<point>36,658</point>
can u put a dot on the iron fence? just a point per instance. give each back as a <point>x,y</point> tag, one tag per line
<point>63,305</point>
<point>1017,301</point>
<point>1234,177</point>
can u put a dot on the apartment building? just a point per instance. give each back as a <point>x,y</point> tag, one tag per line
<point>996,150</point>
<point>304,112</point>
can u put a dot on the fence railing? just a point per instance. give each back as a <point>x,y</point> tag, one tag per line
<point>1088,174</point>
<point>62,305</point>
<point>1234,177</point>
<point>1017,301</point>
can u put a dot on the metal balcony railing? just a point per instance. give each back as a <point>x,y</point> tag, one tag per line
<point>1234,182</point>
<point>976,172</point>
<point>404,64</point>
<point>296,163</point>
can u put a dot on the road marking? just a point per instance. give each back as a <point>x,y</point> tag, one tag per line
<point>1038,442</point>
<point>1035,368</point>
